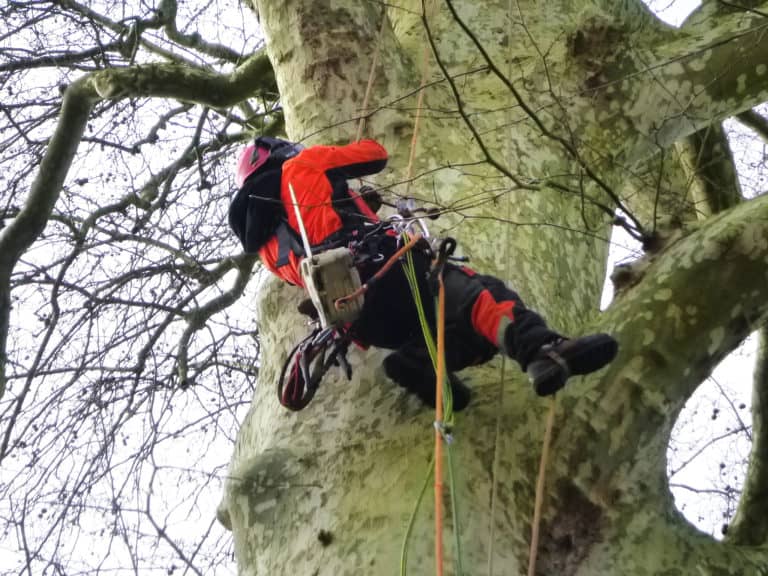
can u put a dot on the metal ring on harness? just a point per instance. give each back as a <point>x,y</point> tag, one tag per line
<point>445,250</point>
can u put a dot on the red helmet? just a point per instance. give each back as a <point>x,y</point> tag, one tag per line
<point>251,159</point>
<point>255,155</point>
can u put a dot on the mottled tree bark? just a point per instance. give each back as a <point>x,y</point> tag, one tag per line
<point>541,120</point>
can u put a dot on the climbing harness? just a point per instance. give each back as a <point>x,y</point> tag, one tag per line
<point>353,297</point>
<point>333,284</point>
<point>328,276</point>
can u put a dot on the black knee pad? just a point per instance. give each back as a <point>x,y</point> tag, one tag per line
<point>419,379</point>
<point>408,372</point>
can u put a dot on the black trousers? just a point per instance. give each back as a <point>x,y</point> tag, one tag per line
<point>483,317</point>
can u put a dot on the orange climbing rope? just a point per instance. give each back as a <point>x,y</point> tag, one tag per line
<point>439,426</point>
<point>371,76</point>
<point>540,489</point>
<point>341,302</point>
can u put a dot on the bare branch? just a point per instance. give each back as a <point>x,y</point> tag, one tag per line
<point>167,14</point>
<point>160,80</point>
<point>197,317</point>
<point>65,59</point>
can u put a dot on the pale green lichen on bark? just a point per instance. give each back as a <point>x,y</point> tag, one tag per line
<point>185,83</point>
<point>366,444</point>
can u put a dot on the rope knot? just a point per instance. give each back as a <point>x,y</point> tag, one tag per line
<point>444,430</point>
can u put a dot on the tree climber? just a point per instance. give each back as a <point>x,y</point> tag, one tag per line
<point>483,316</point>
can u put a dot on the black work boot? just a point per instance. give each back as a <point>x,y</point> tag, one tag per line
<point>557,361</point>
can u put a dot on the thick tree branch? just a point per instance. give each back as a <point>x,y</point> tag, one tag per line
<point>30,221</point>
<point>672,335</point>
<point>690,81</point>
<point>28,224</point>
<point>716,188</point>
<point>755,121</point>
<point>186,84</point>
<point>708,161</point>
<point>750,524</point>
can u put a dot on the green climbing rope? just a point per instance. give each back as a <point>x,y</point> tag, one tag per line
<point>447,425</point>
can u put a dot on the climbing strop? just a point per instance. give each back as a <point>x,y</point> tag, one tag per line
<point>308,362</point>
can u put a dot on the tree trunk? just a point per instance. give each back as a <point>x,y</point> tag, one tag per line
<point>540,121</point>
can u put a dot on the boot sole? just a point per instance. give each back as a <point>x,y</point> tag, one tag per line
<point>594,352</point>
<point>584,356</point>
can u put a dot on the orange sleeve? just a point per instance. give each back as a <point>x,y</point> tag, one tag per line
<point>349,161</point>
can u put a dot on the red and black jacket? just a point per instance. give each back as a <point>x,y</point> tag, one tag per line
<point>329,209</point>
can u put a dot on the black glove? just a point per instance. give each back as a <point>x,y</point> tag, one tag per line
<point>371,197</point>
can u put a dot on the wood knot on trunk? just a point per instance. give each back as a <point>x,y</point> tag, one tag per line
<point>593,46</point>
<point>568,537</point>
<point>595,38</point>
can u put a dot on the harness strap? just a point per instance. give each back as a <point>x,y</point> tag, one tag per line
<point>287,242</point>
<point>354,214</point>
<point>341,302</point>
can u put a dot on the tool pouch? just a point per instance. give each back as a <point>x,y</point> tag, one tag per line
<point>328,276</point>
